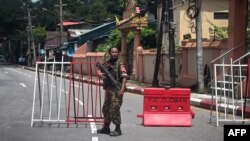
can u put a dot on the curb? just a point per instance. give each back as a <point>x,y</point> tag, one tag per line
<point>135,90</point>
<point>208,104</point>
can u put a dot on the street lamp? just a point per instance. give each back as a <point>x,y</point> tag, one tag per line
<point>46,10</point>
<point>61,24</point>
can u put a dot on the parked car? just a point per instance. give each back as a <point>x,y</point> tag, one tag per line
<point>2,59</point>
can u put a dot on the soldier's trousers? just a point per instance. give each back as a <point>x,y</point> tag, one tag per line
<point>111,107</point>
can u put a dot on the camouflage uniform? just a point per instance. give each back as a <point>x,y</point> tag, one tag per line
<point>113,102</point>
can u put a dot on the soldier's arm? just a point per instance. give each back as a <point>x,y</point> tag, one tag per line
<point>124,76</point>
<point>100,74</point>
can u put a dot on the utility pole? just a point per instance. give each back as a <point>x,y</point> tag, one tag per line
<point>199,54</point>
<point>29,57</point>
<point>155,82</point>
<point>61,21</point>
<point>10,52</point>
<point>171,35</point>
<point>32,38</point>
<point>167,18</point>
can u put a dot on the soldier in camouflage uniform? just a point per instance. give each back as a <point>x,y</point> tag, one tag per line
<point>113,97</point>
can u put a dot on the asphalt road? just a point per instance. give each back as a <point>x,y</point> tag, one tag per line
<point>16,95</point>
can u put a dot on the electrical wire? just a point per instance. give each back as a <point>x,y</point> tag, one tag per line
<point>192,11</point>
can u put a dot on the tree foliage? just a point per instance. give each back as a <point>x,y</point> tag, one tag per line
<point>148,39</point>
<point>114,40</point>
<point>11,15</point>
<point>39,34</point>
<point>218,32</point>
<point>14,12</point>
<point>14,16</point>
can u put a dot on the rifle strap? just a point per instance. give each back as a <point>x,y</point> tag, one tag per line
<point>118,63</point>
<point>117,70</point>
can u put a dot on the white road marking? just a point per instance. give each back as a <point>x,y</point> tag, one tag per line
<point>76,86</point>
<point>92,125</point>
<point>65,91</point>
<point>5,72</point>
<point>23,85</point>
<point>94,138</point>
<point>80,102</point>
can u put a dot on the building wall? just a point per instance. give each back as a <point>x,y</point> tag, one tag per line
<point>237,27</point>
<point>186,66</point>
<point>208,7</point>
<point>211,50</point>
<point>145,70</point>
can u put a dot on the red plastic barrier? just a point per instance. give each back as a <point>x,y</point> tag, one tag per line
<point>166,107</point>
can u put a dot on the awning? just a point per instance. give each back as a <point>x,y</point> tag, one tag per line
<point>96,32</point>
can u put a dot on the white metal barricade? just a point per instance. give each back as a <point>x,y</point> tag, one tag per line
<point>229,88</point>
<point>63,96</point>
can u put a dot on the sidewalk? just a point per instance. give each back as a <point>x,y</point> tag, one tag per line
<point>196,99</point>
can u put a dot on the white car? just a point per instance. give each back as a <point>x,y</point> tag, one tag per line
<point>2,59</point>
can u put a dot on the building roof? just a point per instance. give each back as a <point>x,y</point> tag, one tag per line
<point>70,23</point>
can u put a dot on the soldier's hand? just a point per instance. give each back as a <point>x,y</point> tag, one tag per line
<point>121,92</point>
<point>100,74</point>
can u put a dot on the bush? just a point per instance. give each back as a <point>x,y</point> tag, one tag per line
<point>148,38</point>
<point>102,48</point>
<point>218,32</point>
<point>114,40</point>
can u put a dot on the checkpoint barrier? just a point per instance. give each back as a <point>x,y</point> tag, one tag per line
<point>166,107</point>
<point>66,97</point>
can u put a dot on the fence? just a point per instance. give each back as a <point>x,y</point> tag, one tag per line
<point>62,96</point>
<point>230,88</point>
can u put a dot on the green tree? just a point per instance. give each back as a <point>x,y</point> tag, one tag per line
<point>114,39</point>
<point>39,34</point>
<point>10,17</point>
<point>13,16</point>
<point>218,32</point>
<point>148,38</point>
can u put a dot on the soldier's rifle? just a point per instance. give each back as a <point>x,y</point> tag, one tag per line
<point>109,76</point>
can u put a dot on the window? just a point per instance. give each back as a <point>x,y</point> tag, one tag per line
<point>220,15</point>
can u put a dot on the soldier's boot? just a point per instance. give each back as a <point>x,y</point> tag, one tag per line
<point>117,131</point>
<point>104,130</point>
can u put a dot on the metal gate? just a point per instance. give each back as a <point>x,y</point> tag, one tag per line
<point>230,89</point>
<point>66,92</point>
